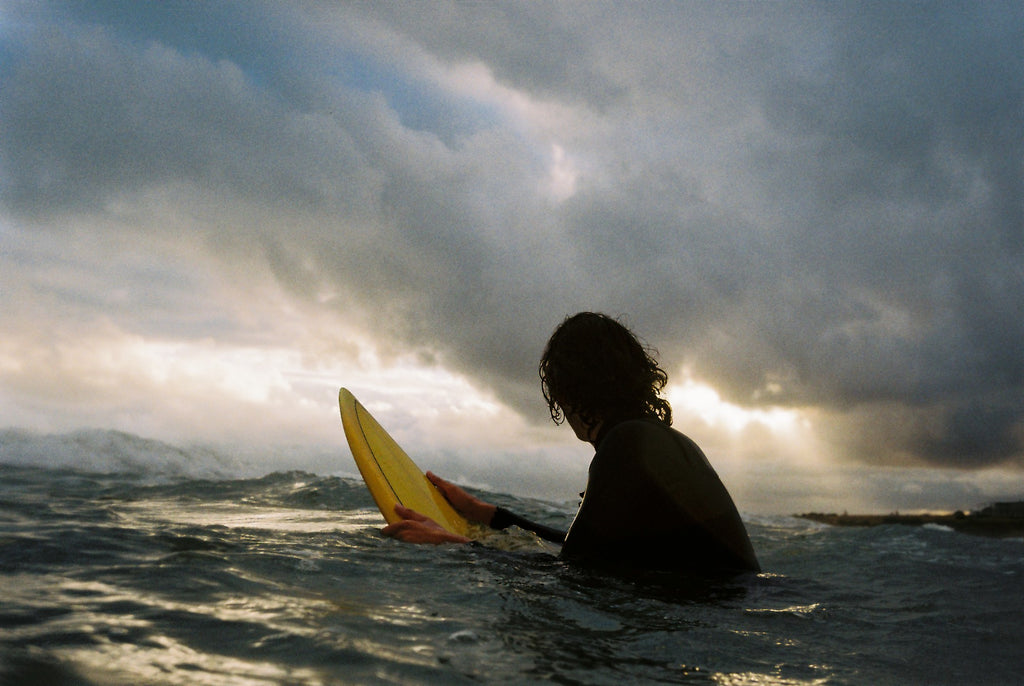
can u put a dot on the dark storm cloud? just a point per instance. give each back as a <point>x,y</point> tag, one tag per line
<point>912,222</point>
<point>812,205</point>
<point>86,119</point>
<point>537,46</point>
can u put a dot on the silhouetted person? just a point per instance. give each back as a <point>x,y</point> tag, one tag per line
<point>652,499</point>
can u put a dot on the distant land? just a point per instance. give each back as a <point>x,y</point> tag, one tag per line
<point>1002,520</point>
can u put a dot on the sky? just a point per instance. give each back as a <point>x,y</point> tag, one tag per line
<point>213,215</point>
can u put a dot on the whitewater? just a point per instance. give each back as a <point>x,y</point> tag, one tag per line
<point>122,562</point>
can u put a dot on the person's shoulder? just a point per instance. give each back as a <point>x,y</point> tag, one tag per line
<point>643,435</point>
<point>653,442</point>
<point>647,428</point>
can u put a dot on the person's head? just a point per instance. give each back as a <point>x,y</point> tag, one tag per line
<point>595,367</point>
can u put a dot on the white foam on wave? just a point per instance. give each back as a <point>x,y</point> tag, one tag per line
<point>937,527</point>
<point>110,451</point>
<point>104,451</point>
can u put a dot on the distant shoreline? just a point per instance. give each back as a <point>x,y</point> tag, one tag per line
<point>978,524</point>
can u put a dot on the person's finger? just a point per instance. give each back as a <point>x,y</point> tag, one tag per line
<point>447,490</point>
<point>394,529</point>
<point>409,531</point>
<point>438,482</point>
<point>406,513</point>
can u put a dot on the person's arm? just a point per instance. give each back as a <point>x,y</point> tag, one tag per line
<point>503,519</point>
<point>470,507</point>
<point>418,528</point>
<point>476,510</point>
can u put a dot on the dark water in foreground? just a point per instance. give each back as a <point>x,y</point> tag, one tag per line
<point>115,579</point>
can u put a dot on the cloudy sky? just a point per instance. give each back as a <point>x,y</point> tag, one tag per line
<point>212,215</point>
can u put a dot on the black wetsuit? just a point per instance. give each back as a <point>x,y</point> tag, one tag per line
<point>652,501</point>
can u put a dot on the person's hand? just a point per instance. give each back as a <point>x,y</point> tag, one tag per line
<point>473,509</point>
<point>418,528</point>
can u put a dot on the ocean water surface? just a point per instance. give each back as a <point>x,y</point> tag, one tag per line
<point>120,572</point>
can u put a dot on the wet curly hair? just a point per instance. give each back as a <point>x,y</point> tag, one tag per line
<point>596,366</point>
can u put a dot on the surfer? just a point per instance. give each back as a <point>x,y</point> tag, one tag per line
<point>652,498</point>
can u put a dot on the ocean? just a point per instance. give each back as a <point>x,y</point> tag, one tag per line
<point>130,568</point>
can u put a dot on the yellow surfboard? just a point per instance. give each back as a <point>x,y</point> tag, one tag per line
<point>392,477</point>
